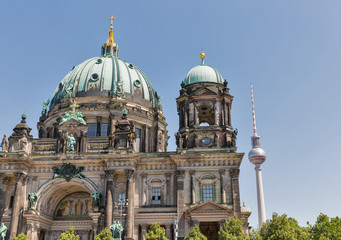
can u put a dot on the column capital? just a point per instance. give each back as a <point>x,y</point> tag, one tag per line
<point>144,175</point>
<point>131,174</point>
<point>110,175</point>
<point>19,176</point>
<point>222,171</point>
<point>168,175</point>
<point>180,174</point>
<point>192,172</point>
<point>234,173</point>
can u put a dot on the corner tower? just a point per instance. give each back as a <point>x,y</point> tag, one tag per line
<point>204,109</point>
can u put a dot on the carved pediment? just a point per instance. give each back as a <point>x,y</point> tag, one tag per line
<point>207,206</point>
<point>204,91</point>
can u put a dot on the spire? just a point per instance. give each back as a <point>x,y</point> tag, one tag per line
<point>202,56</point>
<point>253,113</point>
<point>110,48</point>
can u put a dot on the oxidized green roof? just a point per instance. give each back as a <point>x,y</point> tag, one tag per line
<point>106,75</point>
<point>203,73</point>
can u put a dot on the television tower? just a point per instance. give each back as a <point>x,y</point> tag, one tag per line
<point>257,156</point>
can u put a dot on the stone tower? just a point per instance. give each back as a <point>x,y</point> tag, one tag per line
<point>204,109</point>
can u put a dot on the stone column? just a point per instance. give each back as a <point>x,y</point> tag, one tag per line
<point>196,122</point>
<point>144,189</point>
<point>146,139</point>
<point>192,172</point>
<point>214,113</point>
<point>186,116</point>
<point>143,231</point>
<point>168,189</point>
<point>168,230</point>
<point>225,113</point>
<point>3,194</point>
<point>180,174</point>
<point>235,192</point>
<point>110,174</point>
<point>229,113</point>
<point>222,184</point>
<point>131,176</point>
<point>20,178</point>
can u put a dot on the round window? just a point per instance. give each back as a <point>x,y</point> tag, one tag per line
<point>131,66</point>
<point>137,83</point>
<point>206,141</point>
<point>94,77</point>
<point>99,61</point>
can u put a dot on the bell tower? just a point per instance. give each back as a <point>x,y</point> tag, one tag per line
<point>204,109</point>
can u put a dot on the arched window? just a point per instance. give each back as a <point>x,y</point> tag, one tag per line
<point>205,115</point>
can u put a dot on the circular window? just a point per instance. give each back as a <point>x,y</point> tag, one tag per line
<point>99,61</point>
<point>137,83</point>
<point>206,141</point>
<point>131,66</point>
<point>94,77</point>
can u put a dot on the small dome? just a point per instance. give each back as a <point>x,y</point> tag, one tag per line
<point>203,73</point>
<point>104,76</point>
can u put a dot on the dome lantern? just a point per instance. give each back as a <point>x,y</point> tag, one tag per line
<point>110,48</point>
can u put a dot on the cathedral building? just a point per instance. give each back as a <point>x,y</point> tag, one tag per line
<point>101,157</point>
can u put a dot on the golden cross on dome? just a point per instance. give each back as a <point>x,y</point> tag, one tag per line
<point>112,18</point>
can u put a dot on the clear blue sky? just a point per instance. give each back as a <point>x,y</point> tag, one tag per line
<point>290,49</point>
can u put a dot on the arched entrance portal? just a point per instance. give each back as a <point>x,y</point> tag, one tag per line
<point>60,205</point>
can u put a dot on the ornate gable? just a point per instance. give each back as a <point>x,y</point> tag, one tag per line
<point>204,91</point>
<point>208,207</point>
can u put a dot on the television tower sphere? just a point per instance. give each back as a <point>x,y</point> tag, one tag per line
<point>256,155</point>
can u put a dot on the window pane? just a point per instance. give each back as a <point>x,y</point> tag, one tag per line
<point>207,192</point>
<point>104,129</point>
<point>92,130</point>
<point>121,196</point>
<point>156,195</point>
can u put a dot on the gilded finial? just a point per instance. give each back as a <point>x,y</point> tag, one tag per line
<point>111,33</point>
<point>112,18</point>
<point>243,203</point>
<point>202,56</point>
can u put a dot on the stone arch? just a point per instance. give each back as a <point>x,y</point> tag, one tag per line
<point>205,114</point>
<point>53,191</point>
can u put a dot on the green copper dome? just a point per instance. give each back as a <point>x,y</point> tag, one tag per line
<point>104,76</point>
<point>203,73</point>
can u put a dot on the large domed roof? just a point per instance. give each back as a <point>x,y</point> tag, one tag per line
<point>103,76</point>
<point>203,73</point>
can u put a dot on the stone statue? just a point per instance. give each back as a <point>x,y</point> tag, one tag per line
<point>116,228</point>
<point>97,196</point>
<point>3,231</point>
<point>181,142</point>
<point>32,197</point>
<point>23,143</point>
<point>158,102</point>
<point>119,89</point>
<point>216,140</point>
<point>68,91</point>
<point>4,144</point>
<point>71,142</point>
<point>45,105</point>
